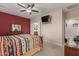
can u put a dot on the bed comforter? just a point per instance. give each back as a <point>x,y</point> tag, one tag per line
<point>16,45</point>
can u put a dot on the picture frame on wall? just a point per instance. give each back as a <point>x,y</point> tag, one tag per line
<point>16,28</point>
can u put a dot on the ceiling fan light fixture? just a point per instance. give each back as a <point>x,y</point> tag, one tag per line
<point>28,10</point>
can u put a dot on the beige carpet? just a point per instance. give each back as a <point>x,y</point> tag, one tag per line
<point>51,50</point>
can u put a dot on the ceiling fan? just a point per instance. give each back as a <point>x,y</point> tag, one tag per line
<point>28,8</point>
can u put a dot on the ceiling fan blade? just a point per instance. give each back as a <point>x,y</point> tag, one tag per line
<point>22,10</point>
<point>21,5</point>
<point>28,6</point>
<point>35,11</point>
<point>32,5</point>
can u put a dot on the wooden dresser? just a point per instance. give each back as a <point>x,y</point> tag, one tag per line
<point>71,51</point>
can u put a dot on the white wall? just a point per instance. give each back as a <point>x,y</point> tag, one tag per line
<point>74,13</point>
<point>70,31</point>
<point>71,16</point>
<point>52,32</point>
<point>36,19</point>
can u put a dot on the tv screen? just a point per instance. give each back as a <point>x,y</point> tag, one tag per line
<point>45,19</point>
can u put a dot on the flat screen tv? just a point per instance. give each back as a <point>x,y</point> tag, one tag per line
<point>46,19</point>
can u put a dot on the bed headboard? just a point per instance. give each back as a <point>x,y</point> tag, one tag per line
<point>11,33</point>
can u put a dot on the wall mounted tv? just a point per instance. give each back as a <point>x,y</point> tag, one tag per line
<point>46,19</point>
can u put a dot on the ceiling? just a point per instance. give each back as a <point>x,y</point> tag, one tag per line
<point>13,8</point>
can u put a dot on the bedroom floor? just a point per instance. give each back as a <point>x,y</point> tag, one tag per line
<point>50,50</point>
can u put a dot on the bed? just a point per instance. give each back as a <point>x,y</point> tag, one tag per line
<point>19,45</point>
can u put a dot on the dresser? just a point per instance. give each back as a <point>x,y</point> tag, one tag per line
<point>71,51</point>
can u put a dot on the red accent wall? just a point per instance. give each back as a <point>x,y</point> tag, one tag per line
<point>6,20</point>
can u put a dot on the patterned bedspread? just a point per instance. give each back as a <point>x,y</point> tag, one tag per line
<point>16,45</point>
